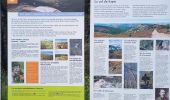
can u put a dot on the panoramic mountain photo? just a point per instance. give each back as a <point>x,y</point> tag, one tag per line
<point>154,30</point>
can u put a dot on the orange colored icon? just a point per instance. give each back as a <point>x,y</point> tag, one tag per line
<point>12,1</point>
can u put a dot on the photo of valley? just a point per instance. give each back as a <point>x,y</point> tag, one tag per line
<point>47,6</point>
<point>63,57</point>
<point>107,82</point>
<point>46,55</point>
<point>47,44</point>
<point>115,49</point>
<point>146,80</point>
<point>141,30</point>
<point>162,44</point>
<point>115,67</point>
<point>17,72</point>
<point>146,44</point>
<point>61,44</point>
<point>130,75</point>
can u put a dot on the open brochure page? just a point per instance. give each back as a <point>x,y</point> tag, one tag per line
<point>45,49</point>
<point>130,50</point>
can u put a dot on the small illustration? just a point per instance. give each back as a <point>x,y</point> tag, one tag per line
<point>75,47</point>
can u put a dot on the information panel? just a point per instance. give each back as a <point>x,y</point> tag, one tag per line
<point>130,50</point>
<point>45,49</point>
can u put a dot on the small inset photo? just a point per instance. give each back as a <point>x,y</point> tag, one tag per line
<point>115,49</point>
<point>46,55</point>
<point>161,93</point>
<point>107,82</point>
<point>162,44</point>
<point>75,47</point>
<point>130,75</point>
<point>61,57</point>
<point>115,67</point>
<point>146,79</point>
<point>146,45</point>
<point>47,44</point>
<point>17,72</point>
<point>61,44</point>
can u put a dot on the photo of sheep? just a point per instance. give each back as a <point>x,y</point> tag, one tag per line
<point>115,67</point>
<point>47,44</point>
<point>62,57</point>
<point>17,72</point>
<point>46,55</point>
<point>146,80</point>
<point>146,44</point>
<point>142,30</point>
<point>115,49</point>
<point>162,44</point>
<point>47,6</point>
<point>61,44</point>
<point>75,47</point>
<point>130,75</point>
<point>107,82</point>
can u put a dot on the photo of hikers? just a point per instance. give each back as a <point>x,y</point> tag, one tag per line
<point>115,49</point>
<point>61,44</point>
<point>162,44</point>
<point>115,67</point>
<point>146,45</point>
<point>141,30</point>
<point>47,6</point>
<point>75,47</point>
<point>107,82</point>
<point>130,75</point>
<point>146,80</point>
<point>47,44</point>
<point>46,55</point>
<point>17,72</point>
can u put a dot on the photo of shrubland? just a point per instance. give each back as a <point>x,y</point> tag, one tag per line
<point>47,6</point>
<point>61,57</point>
<point>142,30</point>
<point>46,55</point>
<point>61,44</point>
<point>47,44</point>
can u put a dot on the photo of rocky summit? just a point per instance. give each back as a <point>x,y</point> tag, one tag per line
<point>151,30</point>
<point>47,6</point>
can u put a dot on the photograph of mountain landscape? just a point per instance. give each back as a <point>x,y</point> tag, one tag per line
<point>46,55</point>
<point>152,30</point>
<point>115,49</point>
<point>47,6</point>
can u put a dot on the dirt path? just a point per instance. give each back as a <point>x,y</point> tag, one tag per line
<point>156,34</point>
